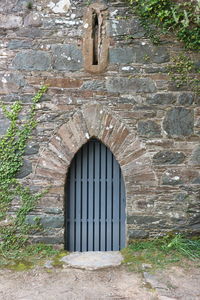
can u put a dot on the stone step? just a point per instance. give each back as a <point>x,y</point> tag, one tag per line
<point>93,260</point>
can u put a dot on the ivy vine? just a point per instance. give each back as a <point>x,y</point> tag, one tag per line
<point>13,229</point>
<point>182,17</point>
<point>183,72</point>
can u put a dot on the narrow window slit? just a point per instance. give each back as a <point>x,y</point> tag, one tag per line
<point>95,37</point>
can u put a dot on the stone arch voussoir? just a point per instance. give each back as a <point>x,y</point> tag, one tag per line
<point>95,120</point>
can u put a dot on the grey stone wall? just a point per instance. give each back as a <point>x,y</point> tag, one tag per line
<point>43,45</point>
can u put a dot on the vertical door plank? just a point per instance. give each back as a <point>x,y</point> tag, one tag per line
<point>84,198</point>
<point>109,198</point>
<point>103,198</point>
<point>116,201</point>
<point>78,201</point>
<point>90,197</point>
<point>72,199</point>
<point>67,211</point>
<point>96,195</point>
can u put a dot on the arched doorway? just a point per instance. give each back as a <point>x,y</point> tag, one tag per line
<point>94,201</point>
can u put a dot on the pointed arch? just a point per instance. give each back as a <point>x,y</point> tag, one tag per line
<point>95,120</point>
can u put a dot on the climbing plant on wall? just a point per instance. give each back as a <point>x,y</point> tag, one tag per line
<point>184,72</point>
<point>13,229</point>
<point>180,17</point>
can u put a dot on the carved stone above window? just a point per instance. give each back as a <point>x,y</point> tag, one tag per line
<point>95,40</point>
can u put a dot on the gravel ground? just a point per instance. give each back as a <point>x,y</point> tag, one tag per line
<point>175,282</point>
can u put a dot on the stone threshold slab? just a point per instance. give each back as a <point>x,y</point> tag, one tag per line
<point>93,260</point>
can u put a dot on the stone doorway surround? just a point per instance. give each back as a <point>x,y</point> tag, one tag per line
<point>93,120</point>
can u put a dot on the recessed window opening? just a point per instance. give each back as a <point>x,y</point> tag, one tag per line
<point>95,37</point>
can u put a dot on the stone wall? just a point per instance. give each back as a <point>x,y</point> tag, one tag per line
<point>151,127</point>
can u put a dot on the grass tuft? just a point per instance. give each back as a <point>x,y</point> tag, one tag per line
<point>161,251</point>
<point>29,5</point>
<point>27,256</point>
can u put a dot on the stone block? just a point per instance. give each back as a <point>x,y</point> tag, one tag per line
<point>186,99</point>
<point>68,140</point>
<point>106,126</point>
<point>52,161</point>
<point>10,21</point>
<point>67,57</point>
<point>116,140</point>
<point>110,131</point>
<point>124,55</point>
<point>147,54</point>
<point>64,82</point>
<point>195,157</point>
<point>190,176</point>
<point>130,69</point>
<point>11,82</point>
<point>194,222</point>
<point>149,128</point>
<point>46,221</point>
<point>98,85</point>
<point>180,197</point>
<point>135,85</point>
<point>121,141</point>
<point>14,6</point>
<point>32,60</point>
<point>53,210</point>
<point>31,148</point>
<point>93,115</point>
<point>179,121</point>
<point>155,69</point>
<point>172,177</point>
<point>15,97</point>
<point>162,99</point>
<point>168,157</point>
<point>48,239</point>
<point>49,174</point>
<point>25,170</point>
<point>56,146</point>
<point>133,155</point>
<point>33,19</point>
<point>142,219</point>
<point>19,44</point>
<point>154,283</point>
<point>31,32</point>
<point>137,234</point>
<point>7,5</point>
<point>141,174</point>
<point>130,27</point>
<point>60,7</point>
<point>78,128</point>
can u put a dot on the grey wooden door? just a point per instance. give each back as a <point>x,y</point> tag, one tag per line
<point>95,201</point>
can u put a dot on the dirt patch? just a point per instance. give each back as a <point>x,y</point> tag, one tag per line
<point>114,283</point>
<point>68,283</point>
<point>180,283</point>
